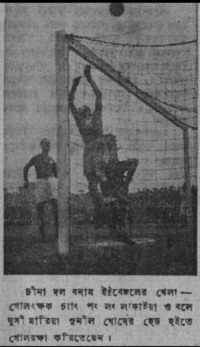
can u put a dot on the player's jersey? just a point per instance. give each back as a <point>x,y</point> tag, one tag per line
<point>95,155</point>
<point>44,169</point>
<point>92,132</point>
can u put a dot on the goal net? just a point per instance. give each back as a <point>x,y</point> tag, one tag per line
<point>165,73</point>
<point>149,97</point>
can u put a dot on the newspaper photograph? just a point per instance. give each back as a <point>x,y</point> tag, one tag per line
<point>99,174</point>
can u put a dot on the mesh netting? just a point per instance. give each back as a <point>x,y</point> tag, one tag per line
<point>166,73</point>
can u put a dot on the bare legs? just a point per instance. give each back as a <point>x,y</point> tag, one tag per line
<point>40,217</point>
<point>117,180</point>
<point>116,183</point>
<point>93,182</point>
<point>129,166</point>
<point>55,214</point>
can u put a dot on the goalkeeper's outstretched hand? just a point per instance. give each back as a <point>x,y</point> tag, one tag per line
<point>87,71</point>
<point>77,80</point>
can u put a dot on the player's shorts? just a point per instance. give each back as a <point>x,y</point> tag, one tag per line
<point>94,154</point>
<point>46,189</point>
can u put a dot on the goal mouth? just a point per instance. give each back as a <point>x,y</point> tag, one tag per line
<point>148,101</point>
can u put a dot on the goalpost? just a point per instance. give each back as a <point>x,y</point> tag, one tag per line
<point>63,150</point>
<point>64,44</point>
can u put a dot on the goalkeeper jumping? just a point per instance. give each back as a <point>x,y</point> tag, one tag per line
<point>100,160</point>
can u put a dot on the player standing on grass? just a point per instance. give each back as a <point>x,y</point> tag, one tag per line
<point>46,186</point>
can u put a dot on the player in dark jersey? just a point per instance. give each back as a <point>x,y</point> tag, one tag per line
<point>46,186</point>
<point>100,151</point>
<point>91,129</point>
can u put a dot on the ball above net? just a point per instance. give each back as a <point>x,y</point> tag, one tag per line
<point>116,9</point>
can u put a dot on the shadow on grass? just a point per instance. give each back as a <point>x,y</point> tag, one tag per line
<point>96,253</point>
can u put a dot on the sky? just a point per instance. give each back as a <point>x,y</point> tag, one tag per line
<point>30,88</point>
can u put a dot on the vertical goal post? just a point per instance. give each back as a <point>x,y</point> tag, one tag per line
<point>65,43</point>
<point>63,142</point>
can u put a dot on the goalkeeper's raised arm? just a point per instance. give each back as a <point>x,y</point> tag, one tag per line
<point>98,104</point>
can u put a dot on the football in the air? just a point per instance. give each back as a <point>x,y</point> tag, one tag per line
<point>116,9</point>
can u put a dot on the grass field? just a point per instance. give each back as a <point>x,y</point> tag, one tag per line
<point>160,249</point>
